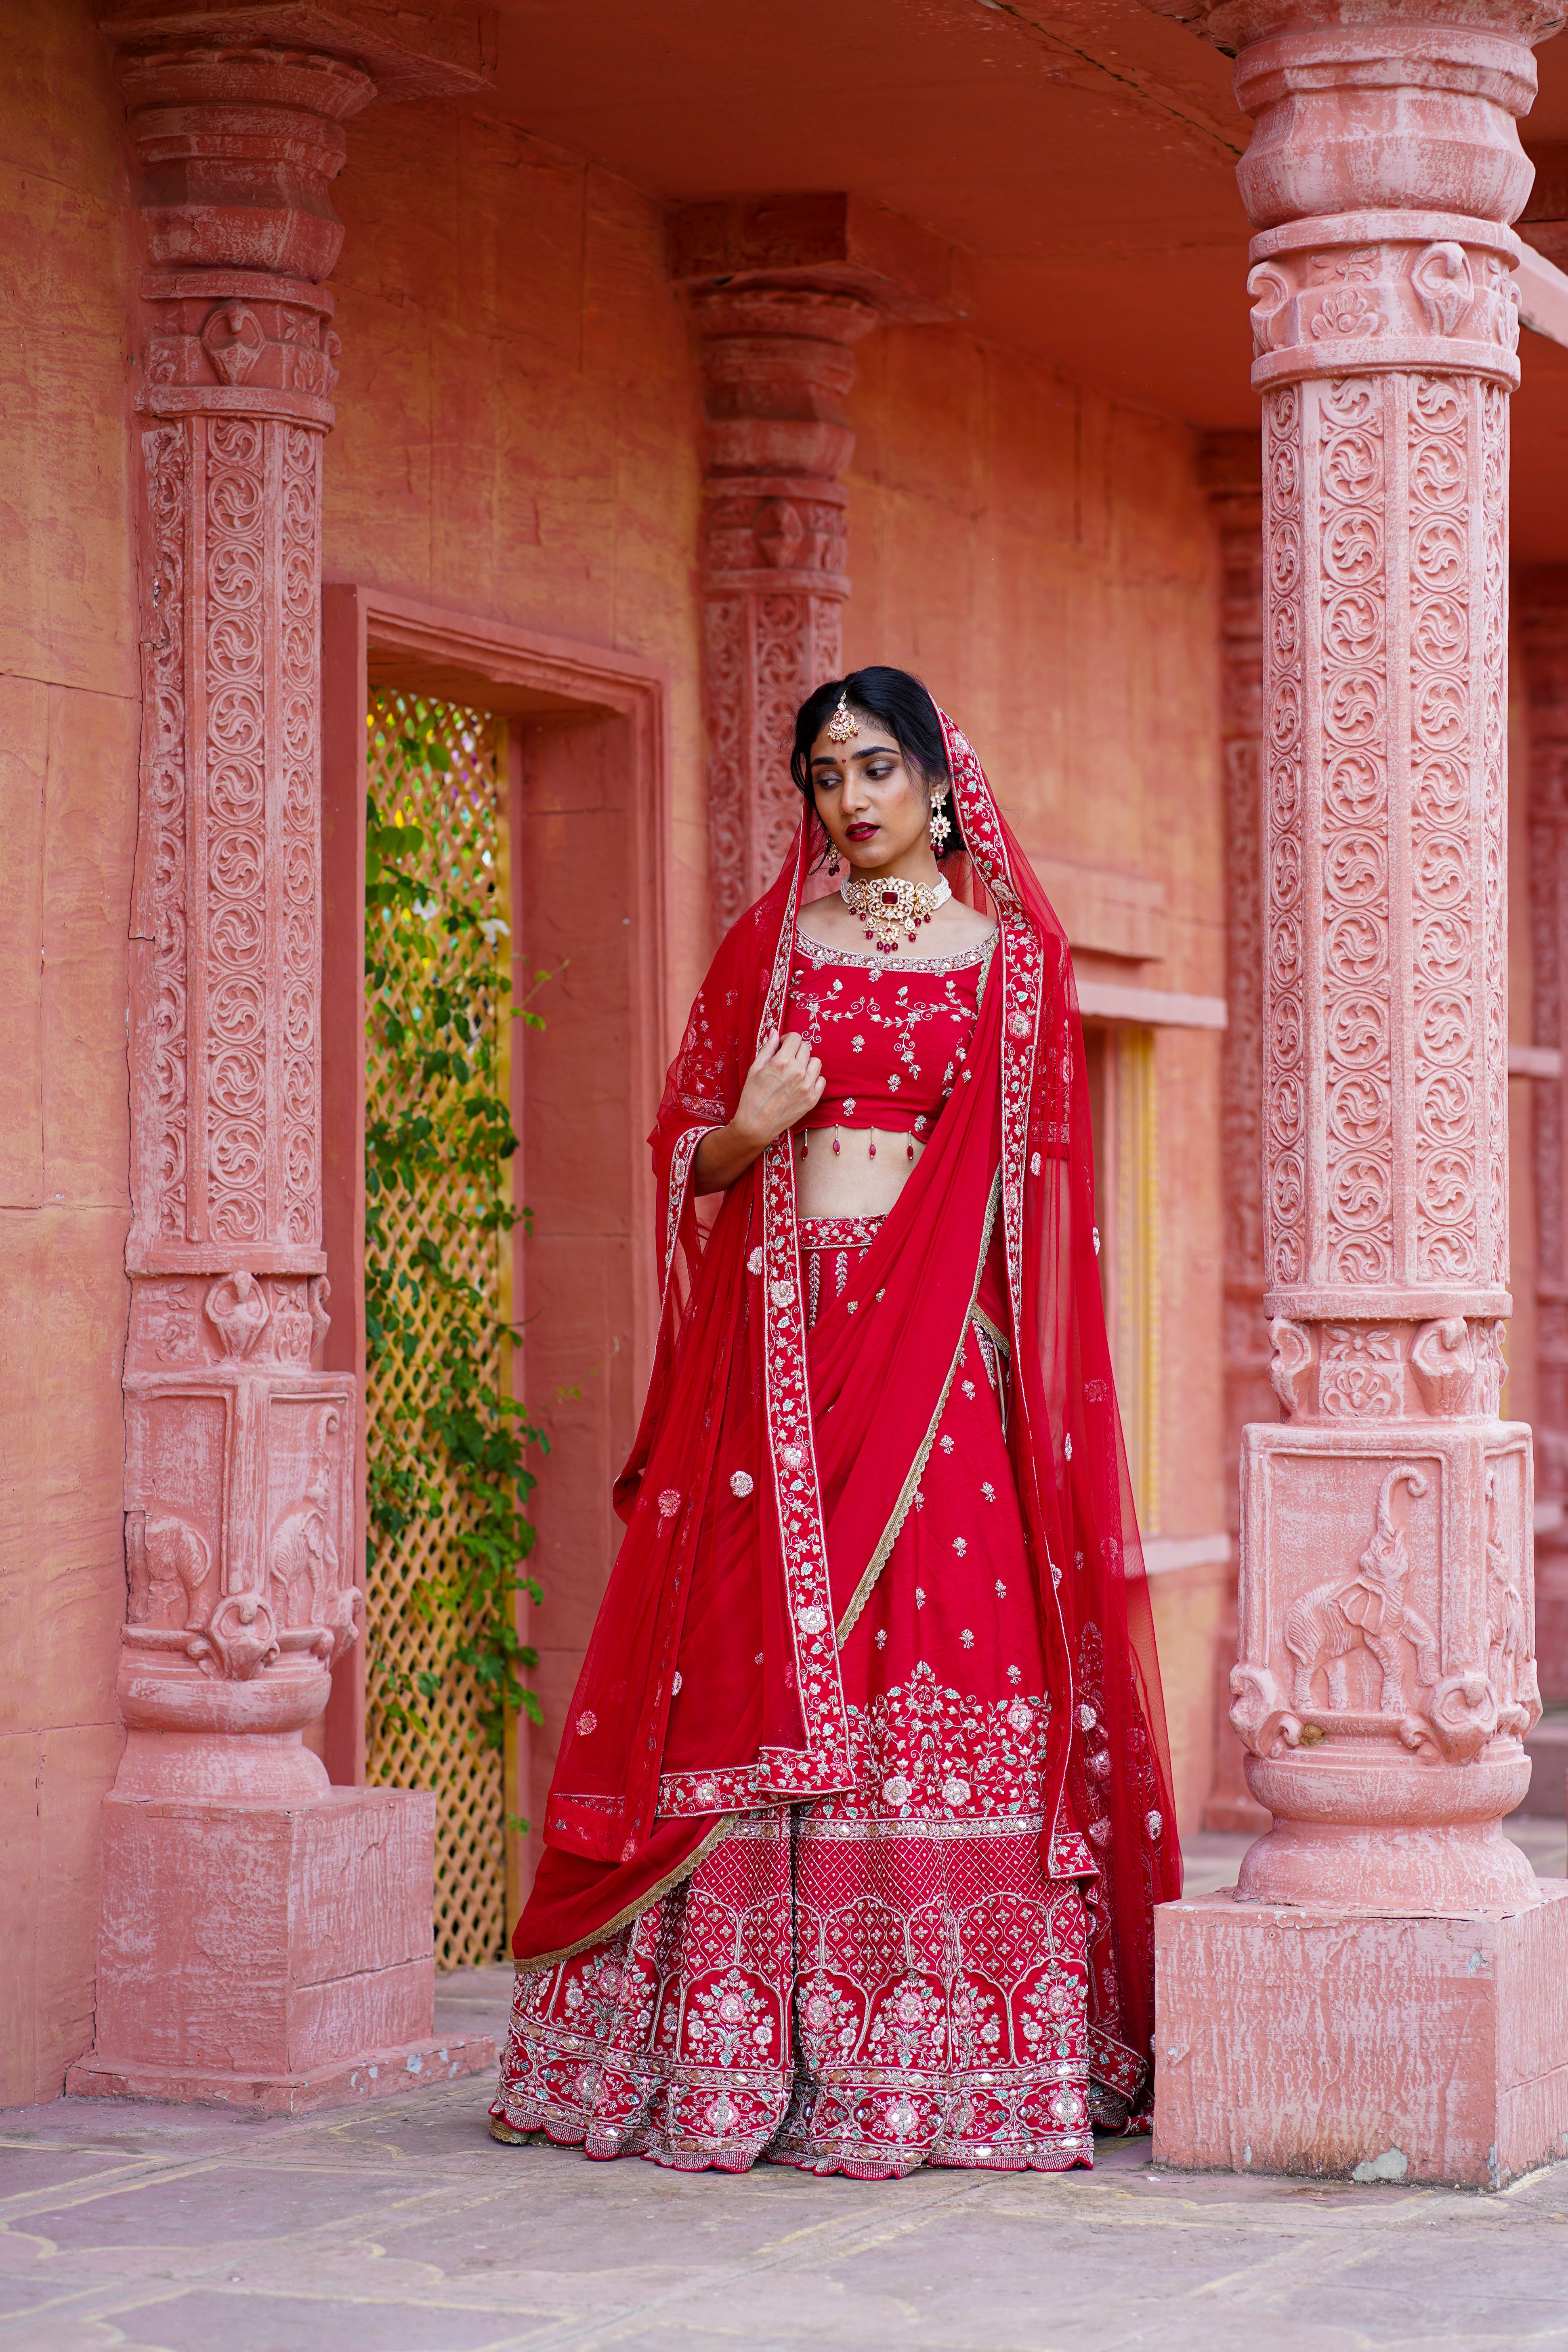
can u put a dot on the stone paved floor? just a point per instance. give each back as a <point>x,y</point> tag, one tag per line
<point>402,2228</point>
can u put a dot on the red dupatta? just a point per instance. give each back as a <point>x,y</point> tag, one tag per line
<point>773,1470</point>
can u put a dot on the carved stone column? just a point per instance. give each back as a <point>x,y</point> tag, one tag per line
<point>777,363</point>
<point>1230,466</point>
<point>261,1934</point>
<point>1386,1672</point>
<point>1544,632</point>
<point>781,289</point>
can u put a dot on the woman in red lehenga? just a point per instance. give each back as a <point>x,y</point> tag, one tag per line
<point>863,1805</point>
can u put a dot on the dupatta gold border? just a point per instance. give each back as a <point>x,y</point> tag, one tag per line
<point>635,1909</point>
<point>890,1534</point>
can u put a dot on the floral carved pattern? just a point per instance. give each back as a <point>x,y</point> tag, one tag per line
<point>1285,1099</point>
<point>230,861</point>
<point>301,689</point>
<point>1402,833</point>
<point>1358,1092</point>
<point>1494,446</point>
<point>1443,891</point>
<point>164,912</point>
<point>236,876</point>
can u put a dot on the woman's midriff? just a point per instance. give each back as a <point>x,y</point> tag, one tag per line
<point>862,1179</point>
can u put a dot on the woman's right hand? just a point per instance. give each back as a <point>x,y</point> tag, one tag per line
<point>783,1083</point>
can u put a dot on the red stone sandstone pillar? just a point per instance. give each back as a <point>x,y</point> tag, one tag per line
<point>777,363</point>
<point>781,289</point>
<point>264,1940</point>
<point>1376,1991</point>
<point>1544,633</point>
<point>1228,466</point>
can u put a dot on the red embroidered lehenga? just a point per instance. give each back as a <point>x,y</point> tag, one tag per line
<point>863,1803</point>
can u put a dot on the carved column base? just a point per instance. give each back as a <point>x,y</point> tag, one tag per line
<point>1360,2045</point>
<point>268,1955</point>
<point>1462,1865</point>
<point>1384,1681</point>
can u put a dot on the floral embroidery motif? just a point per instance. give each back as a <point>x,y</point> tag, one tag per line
<point>926,1737</point>
<point>885,1017</point>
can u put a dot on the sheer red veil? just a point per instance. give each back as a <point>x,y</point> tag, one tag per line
<point>773,1467</point>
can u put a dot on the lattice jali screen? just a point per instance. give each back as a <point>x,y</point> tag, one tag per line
<point>459,810</point>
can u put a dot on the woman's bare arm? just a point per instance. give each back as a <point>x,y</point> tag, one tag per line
<point>783,1083</point>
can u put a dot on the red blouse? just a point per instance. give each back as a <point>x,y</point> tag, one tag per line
<point>892,1032</point>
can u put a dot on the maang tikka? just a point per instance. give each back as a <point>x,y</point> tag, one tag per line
<point>841,727</point>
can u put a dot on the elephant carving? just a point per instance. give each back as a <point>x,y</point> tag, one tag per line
<point>1367,1609</point>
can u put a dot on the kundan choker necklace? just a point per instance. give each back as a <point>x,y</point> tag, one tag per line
<point>889,907</point>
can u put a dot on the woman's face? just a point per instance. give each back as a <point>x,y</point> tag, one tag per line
<point>874,803</point>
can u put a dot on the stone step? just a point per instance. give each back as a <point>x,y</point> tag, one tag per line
<point>1547,1749</point>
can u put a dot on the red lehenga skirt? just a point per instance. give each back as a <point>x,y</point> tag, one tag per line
<point>877,1980</point>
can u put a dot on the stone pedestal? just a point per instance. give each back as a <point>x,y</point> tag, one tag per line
<point>270,1955</point>
<point>1364,2045</point>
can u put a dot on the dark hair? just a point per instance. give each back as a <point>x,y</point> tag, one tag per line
<point>902,705</point>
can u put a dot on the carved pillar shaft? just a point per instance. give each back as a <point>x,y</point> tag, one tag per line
<point>1386,1673</point>
<point>778,365</point>
<point>239,1455</point>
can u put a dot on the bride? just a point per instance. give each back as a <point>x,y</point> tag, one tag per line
<point>862,1807</point>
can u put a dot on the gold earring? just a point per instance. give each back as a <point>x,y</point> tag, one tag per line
<point>940,827</point>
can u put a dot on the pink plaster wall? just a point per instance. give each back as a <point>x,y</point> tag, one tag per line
<point>68,720</point>
<point>519,413</point>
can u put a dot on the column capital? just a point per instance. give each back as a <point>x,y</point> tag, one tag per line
<point>1375,105</point>
<point>446,50</point>
<point>834,242</point>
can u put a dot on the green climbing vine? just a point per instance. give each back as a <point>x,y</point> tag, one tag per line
<point>450,1466</point>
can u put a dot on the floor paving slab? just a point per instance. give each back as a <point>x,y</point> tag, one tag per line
<point>404,2228</point>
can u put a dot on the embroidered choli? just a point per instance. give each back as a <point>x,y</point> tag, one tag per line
<point>892,1034</point>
